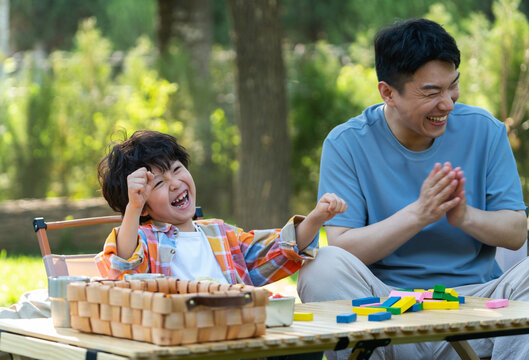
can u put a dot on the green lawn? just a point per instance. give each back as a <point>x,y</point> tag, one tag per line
<point>20,274</point>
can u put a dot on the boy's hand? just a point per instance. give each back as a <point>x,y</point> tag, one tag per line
<point>139,184</point>
<point>329,205</point>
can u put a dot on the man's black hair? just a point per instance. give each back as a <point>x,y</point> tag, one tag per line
<point>401,49</point>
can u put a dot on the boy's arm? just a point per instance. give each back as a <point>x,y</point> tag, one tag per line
<point>139,184</point>
<point>328,206</point>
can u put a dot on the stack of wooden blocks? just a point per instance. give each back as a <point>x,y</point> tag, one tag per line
<point>167,311</point>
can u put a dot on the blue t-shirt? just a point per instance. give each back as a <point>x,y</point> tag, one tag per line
<point>365,164</point>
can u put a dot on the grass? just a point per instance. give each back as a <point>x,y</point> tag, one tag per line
<point>20,274</point>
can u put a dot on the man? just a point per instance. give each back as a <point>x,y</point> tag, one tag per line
<point>431,187</point>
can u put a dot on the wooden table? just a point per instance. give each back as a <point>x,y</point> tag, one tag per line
<point>37,338</point>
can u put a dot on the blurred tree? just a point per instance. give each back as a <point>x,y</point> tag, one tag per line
<point>263,182</point>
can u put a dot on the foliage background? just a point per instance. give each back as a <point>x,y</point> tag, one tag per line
<point>82,74</point>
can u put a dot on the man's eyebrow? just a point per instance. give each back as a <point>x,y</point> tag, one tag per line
<point>437,87</point>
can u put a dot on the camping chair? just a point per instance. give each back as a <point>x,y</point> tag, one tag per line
<point>73,265</point>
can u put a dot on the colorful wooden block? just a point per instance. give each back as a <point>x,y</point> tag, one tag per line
<point>438,295</point>
<point>497,303</point>
<point>405,303</point>
<point>346,318</point>
<point>415,307</point>
<point>390,301</point>
<point>366,300</point>
<point>440,305</point>
<point>380,316</point>
<point>461,299</point>
<point>439,288</point>
<point>372,305</point>
<point>451,292</point>
<point>367,310</point>
<point>419,296</point>
<point>298,316</point>
<point>450,297</point>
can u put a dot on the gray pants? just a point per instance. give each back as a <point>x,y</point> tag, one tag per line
<point>336,274</point>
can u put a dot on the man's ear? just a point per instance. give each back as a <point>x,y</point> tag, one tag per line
<point>386,92</point>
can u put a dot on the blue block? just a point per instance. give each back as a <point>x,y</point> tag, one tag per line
<point>367,300</point>
<point>346,318</point>
<point>461,299</point>
<point>415,307</point>
<point>390,301</point>
<point>380,316</point>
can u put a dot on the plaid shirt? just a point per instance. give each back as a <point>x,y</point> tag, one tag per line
<point>254,258</point>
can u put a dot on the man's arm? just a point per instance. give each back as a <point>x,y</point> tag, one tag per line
<point>376,241</point>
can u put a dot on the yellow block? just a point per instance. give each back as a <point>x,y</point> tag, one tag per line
<point>451,292</point>
<point>440,305</point>
<point>404,303</point>
<point>419,290</point>
<point>298,316</point>
<point>367,310</point>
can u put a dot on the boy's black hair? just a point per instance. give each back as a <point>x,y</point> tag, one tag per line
<point>401,49</point>
<point>149,149</point>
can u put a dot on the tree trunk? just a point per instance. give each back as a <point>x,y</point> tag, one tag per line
<point>263,187</point>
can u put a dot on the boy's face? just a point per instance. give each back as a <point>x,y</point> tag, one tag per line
<point>172,198</point>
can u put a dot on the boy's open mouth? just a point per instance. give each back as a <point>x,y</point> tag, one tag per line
<point>182,200</point>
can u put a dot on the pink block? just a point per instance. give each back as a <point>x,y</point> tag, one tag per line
<point>373,304</point>
<point>432,300</point>
<point>418,295</point>
<point>497,303</point>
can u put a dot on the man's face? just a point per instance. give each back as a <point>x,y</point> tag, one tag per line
<point>419,113</point>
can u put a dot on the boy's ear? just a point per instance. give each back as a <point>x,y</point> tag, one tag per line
<point>144,211</point>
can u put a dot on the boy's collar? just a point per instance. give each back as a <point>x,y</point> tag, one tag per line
<point>164,227</point>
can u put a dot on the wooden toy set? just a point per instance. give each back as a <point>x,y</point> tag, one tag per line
<point>168,311</point>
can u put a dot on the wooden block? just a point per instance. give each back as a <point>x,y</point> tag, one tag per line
<point>182,286</point>
<point>437,295</point>
<point>497,303</point>
<point>126,315</point>
<point>189,336</point>
<point>367,310</point>
<point>415,307</point>
<point>346,318</point>
<point>366,300</point>
<point>381,316</point>
<point>205,318</point>
<point>146,318</point>
<point>404,303</point>
<point>136,299</point>
<point>83,308</point>
<point>163,285</point>
<point>80,323</point>
<point>461,299</point>
<point>303,316</point>
<point>93,294</point>
<point>115,296</point>
<point>147,299</point>
<point>100,326</point>
<point>451,292</point>
<point>372,305</point>
<point>390,301</point>
<point>94,310</point>
<point>121,330</point>
<point>439,288</point>
<point>125,297</point>
<point>161,303</point>
<point>440,305</point>
<point>449,297</point>
<point>116,313</point>
<point>419,296</point>
<point>76,291</point>
<point>136,316</point>
<point>174,321</point>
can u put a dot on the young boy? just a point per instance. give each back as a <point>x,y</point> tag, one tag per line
<point>146,179</point>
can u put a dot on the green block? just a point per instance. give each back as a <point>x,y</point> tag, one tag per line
<point>394,311</point>
<point>438,295</point>
<point>439,288</point>
<point>449,297</point>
